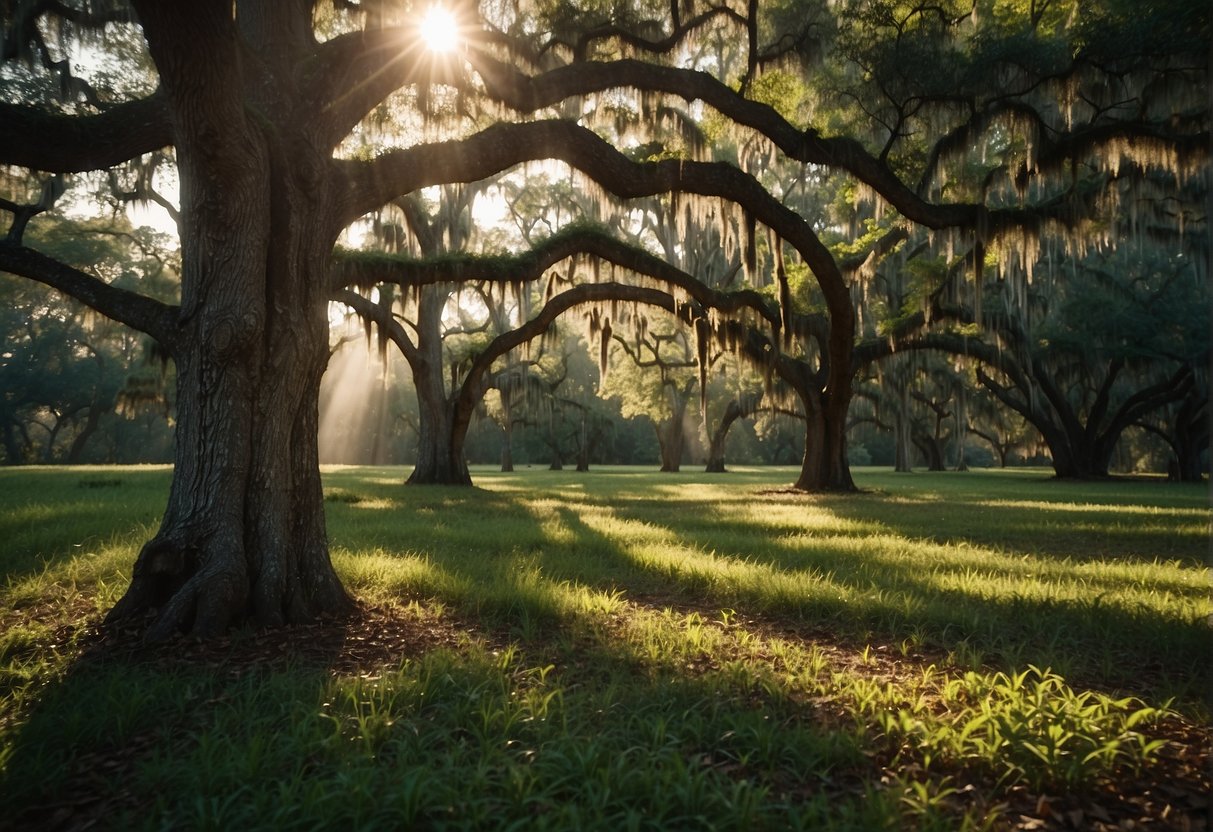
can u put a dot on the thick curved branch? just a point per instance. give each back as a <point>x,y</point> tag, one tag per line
<point>1152,398</point>
<point>1103,396</point>
<point>353,73</point>
<point>382,317</point>
<point>159,320</point>
<point>553,309</point>
<point>32,138</point>
<point>658,46</point>
<point>362,269</point>
<point>505,145</point>
<point>953,344</point>
<point>526,94</point>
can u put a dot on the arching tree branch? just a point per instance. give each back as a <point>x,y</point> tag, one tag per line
<point>32,138</point>
<point>159,320</point>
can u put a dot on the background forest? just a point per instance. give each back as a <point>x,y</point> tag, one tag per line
<point>79,389</point>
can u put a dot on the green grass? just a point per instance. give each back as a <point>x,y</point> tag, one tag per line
<point>622,649</point>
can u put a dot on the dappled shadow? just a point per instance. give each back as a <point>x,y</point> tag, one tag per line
<point>123,705</point>
<point>509,580</point>
<point>118,735</point>
<point>402,717</point>
<point>1054,528</point>
<point>837,563</point>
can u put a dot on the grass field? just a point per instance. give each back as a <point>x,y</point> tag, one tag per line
<point>628,650</point>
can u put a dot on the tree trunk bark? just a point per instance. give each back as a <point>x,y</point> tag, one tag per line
<point>932,449</point>
<point>1075,457</point>
<point>669,441</point>
<point>716,444</point>
<point>1190,440</point>
<point>439,441</point>
<point>824,466</point>
<point>243,537</point>
<point>441,427</point>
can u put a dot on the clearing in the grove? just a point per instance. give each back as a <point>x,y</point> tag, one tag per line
<point>627,650</point>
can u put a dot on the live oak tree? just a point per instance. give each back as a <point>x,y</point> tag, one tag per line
<point>441,327</point>
<point>655,374</point>
<point>584,270</point>
<point>1100,344</point>
<point>264,105</point>
<point>1121,338</point>
<point>429,323</point>
<point>1184,426</point>
<point>742,395</point>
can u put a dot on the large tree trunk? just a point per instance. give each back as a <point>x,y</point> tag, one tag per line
<point>932,450</point>
<point>440,440</point>
<point>825,466</point>
<point>243,536</point>
<point>834,473</point>
<point>670,440</point>
<point>442,428</point>
<point>732,413</point>
<point>1188,437</point>
<point>76,452</point>
<point>1074,455</point>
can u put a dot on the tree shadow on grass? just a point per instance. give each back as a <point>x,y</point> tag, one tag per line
<point>858,597</point>
<point>529,705</point>
<point>448,722</point>
<point>387,719</point>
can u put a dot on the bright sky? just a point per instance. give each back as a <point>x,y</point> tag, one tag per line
<point>439,30</point>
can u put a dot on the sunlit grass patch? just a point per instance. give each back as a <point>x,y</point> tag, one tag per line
<point>621,649</point>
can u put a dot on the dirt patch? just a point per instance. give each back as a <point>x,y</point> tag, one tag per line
<point>370,638</point>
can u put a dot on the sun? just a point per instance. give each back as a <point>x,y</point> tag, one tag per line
<point>439,32</point>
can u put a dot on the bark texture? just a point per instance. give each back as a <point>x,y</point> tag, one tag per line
<point>243,536</point>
